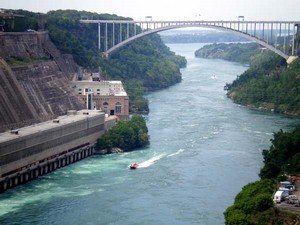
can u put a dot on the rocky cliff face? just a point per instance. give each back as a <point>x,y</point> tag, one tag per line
<point>34,79</point>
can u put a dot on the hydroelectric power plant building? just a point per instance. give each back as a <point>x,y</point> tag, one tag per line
<point>32,151</point>
<point>106,95</point>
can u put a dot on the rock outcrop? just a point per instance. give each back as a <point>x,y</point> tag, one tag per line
<point>34,79</point>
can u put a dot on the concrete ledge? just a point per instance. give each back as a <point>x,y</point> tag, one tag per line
<point>291,59</point>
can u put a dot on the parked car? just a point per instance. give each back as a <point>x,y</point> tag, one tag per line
<point>292,199</point>
<point>286,191</point>
<point>278,197</point>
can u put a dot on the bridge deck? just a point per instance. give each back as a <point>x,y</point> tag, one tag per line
<point>278,36</point>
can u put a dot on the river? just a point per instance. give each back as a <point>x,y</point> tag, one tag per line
<point>204,149</point>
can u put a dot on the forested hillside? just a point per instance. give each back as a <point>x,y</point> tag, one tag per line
<point>268,84</point>
<point>235,52</point>
<point>144,64</point>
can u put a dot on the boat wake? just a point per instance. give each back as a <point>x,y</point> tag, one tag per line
<point>151,161</point>
<point>176,153</point>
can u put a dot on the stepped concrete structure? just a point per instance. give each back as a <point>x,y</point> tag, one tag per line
<point>34,80</point>
<point>15,106</point>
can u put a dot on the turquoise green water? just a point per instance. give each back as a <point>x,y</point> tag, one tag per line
<point>203,150</point>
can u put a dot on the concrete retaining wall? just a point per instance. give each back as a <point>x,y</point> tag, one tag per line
<point>48,146</point>
<point>39,169</point>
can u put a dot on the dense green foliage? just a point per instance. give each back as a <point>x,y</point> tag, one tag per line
<point>126,135</point>
<point>268,84</point>
<point>254,198</point>
<point>283,156</point>
<point>73,37</point>
<point>236,52</point>
<point>23,20</point>
<point>158,71</point>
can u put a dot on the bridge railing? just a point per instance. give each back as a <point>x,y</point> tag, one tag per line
<point>280,35</point>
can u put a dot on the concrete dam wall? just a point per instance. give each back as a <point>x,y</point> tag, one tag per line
<point>34,80</point>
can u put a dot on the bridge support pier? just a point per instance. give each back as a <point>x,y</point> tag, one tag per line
<point>291,59</point>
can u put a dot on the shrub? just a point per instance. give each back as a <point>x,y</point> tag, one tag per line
<point>126,135</point>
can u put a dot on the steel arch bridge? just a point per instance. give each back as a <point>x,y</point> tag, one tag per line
<point>278,36</point>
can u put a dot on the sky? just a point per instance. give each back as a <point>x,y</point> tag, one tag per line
<point>282,10</point>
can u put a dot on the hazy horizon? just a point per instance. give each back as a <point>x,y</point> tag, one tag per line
<point>170,10</point>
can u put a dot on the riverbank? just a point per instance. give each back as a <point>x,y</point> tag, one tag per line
<point>108,151</point>
<point>265,107</point>
<point>269,84</point>
<point>234,52</point>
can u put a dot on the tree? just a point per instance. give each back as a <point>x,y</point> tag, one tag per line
<point>126,135</point>
<point>254,198</point>
<point>236,217</point>
<point>283,155</point>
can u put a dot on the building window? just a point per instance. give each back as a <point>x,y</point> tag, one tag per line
<point>88,90</point>
<point>118,107</point>
<point>98,89</point>
<point>79,93</point>
<point>79,89</point>
<point>105,107</point>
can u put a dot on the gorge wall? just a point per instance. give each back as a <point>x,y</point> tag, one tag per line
<point>34,80</point>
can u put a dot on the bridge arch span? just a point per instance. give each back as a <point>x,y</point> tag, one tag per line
<point>216,27</point>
